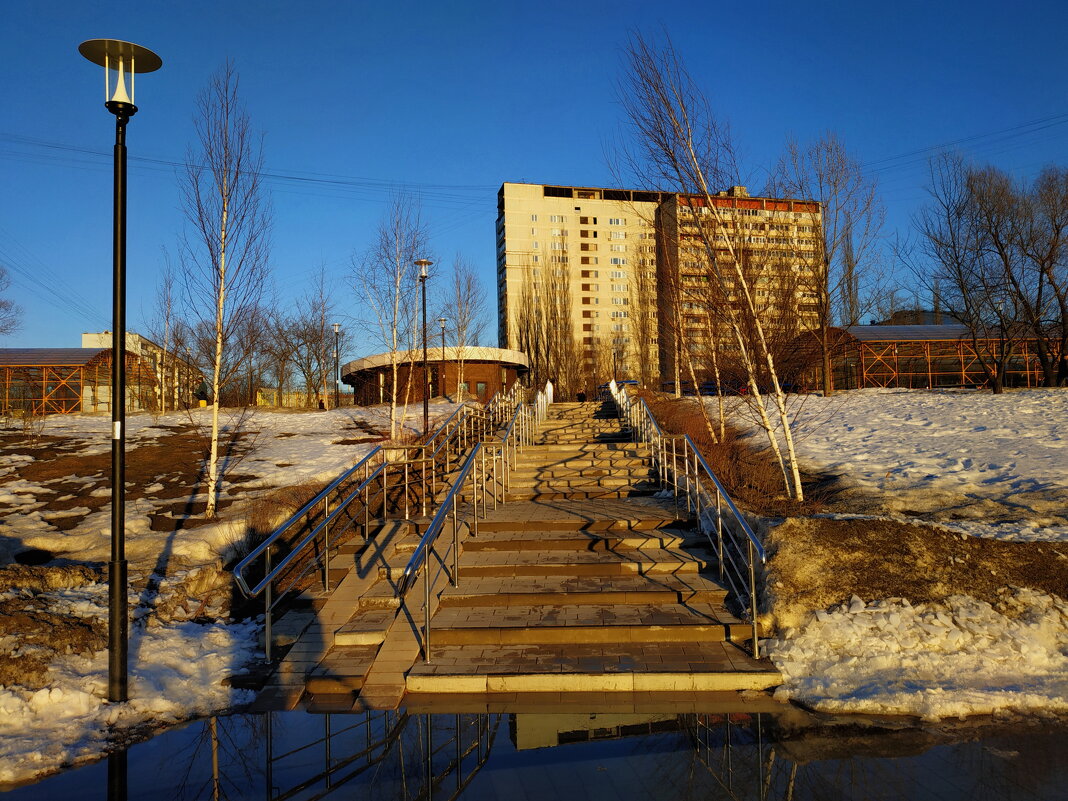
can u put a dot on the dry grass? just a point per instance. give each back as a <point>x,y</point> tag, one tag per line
<point>817,563</point>
<point>750,475</point>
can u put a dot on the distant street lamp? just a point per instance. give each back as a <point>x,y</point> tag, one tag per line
<point>441,321</point>
<point>119,58</point>
<point>337,365</point>
<point>422,264</point>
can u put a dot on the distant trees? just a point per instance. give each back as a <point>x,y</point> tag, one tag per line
<point>544,326</point>
<point>851,219</point>
<point>225,247</point>
<point>996,256</point>
<point>465,312</point>
<point>9,312</point>
<point>385,280</point>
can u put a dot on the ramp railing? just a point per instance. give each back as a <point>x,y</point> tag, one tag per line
<point>682,469</point>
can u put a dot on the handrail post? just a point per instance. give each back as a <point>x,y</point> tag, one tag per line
<point>455,545</point>
<point>267,609</point>
<point>422,483</point>
<point>719,530</point>
<point>326,543</point>
<point>753,598</point>
<point>426,610</point>
<point>406,487</point>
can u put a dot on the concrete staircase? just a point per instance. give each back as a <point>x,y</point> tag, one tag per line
<point>582,452</point>
<point>582,582</point>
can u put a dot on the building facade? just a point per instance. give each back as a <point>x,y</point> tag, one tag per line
<point>454,372</point>
<point>622,271</point>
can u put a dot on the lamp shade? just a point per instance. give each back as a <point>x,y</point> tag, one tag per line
<point>122,59</point>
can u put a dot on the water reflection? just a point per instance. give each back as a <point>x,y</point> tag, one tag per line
<point>408,756</point>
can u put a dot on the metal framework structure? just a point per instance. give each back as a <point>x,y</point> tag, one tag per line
<point>937,363</point>
<point>36,381</point>
<point>908,357</point>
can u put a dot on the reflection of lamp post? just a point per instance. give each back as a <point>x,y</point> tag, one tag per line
<point>441,321</point>
<point>122,58</point>
<point>422,264</point>
<point>337,365</point>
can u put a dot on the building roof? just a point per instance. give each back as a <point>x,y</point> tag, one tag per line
<point>470,354</point>
<point>904,333</point>
<point>49,356</point>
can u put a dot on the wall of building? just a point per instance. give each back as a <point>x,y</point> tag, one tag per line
<point>483,379</point>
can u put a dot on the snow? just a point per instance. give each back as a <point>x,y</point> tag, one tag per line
<point>984,464</point>
<point>950,659</point>
<point>975,463</point>
<point>288,448</point>
<point>176,669</point>
<point>176,673</point>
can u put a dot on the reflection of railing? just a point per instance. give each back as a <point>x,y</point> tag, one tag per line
<point>731,748</point>
<point>682,468</point>
<point>425,756</point>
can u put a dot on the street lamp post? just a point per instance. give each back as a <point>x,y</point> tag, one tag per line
<point>337,365</point>
<point>441,321</point>
<point>121,58</point>
<point>422,264</point>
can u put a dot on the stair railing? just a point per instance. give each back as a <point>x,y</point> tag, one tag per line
<point>681,468</point>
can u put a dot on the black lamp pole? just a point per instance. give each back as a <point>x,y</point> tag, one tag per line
<point>124,57</point>
<point>337,365</point>
<point>423,264</point>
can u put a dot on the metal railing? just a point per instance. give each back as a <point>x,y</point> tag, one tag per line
<point>682,468</point>
<point>482,480</point>
<point>385,480</point>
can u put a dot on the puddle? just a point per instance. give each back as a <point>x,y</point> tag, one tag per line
<point>527,756</point>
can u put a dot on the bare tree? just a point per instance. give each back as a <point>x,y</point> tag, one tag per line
<point>314,340</point>
<point>680,144</point>
<point>224,252</point>
<point>9,312</point>
<point>851,219</point>
<point>466,313</point>
<point>964,233</point>
<point>385,280</point>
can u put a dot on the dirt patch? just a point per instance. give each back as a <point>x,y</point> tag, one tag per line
<point>31,634</point>
<point>361,441</point>
<point>816,563</point>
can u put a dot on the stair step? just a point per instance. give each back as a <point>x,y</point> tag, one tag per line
<point>587,624</point>
<point>632,589</point>
<point>622,667</point>
<point>342,670</point>
<point>365,627</point>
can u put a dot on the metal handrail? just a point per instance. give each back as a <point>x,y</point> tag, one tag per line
<point>738,549</point>
<point>273,537</point>
<point>419,558</point>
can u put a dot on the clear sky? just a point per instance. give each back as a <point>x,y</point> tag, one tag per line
<point>449,99</point>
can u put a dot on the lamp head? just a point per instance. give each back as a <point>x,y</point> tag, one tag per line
<point>422,264</point>
<point>337,327</point>
<point>120,59</point>
<point>442,321</point>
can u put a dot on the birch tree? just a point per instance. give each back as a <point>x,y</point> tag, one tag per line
<point>224,250</point>
<point>681,145</point>
<point>385,280</point>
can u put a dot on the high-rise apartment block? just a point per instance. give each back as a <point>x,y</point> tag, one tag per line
<point>599,262</point>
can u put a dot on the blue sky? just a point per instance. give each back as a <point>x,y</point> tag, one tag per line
<point>447,100</point>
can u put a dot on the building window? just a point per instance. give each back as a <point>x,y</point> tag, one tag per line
<point>617,261</point>
<point>619,287</point>
<point>618,274</point>
<point>533,217</point>
<point>480,389</point>
<point>617,221</point>
<point>618,248</point>
<point>618,235</point>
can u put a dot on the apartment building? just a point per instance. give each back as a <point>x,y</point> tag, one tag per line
<point>598,246</point>
<point>600,262</point>
<point>775,244</point>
